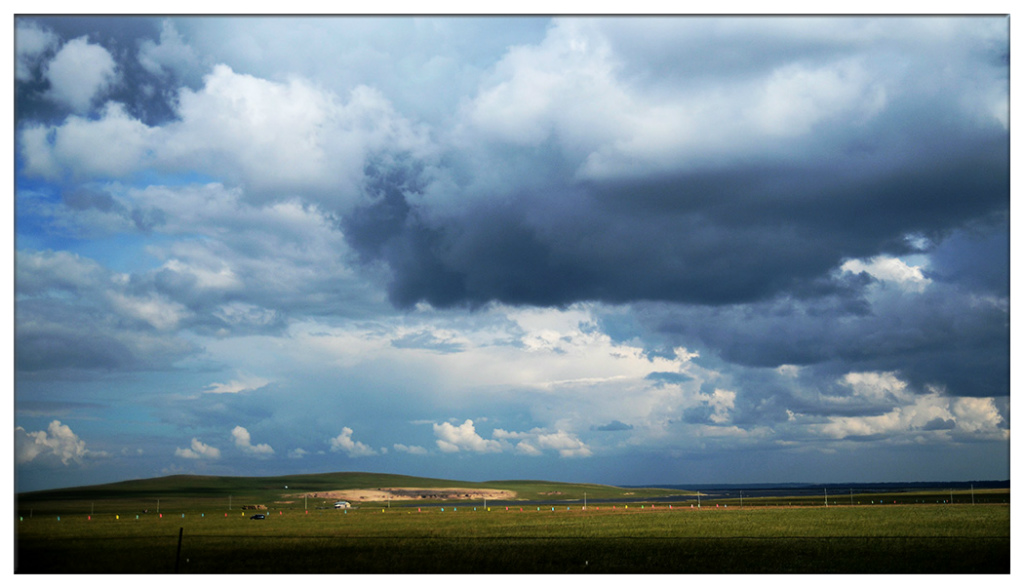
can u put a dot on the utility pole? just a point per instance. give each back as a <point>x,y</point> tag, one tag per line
<point>851,496</point>
<point>826,496</point>
<point>741,498</point>
<point>972,493</point>
<point>584,501</point>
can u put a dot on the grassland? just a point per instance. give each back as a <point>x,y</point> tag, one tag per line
<point>914,535</point>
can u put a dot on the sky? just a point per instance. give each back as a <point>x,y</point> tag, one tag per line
<point>620,250</point>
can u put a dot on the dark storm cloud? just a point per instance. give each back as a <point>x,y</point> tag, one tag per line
<point>734,236</point>
<point>977,257</point>
<point>943,336</point>
<point>552,212</point>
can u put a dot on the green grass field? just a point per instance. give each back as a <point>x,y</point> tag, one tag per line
<point>915,535</point>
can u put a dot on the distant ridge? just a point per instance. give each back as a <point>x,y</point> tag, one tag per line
<point>282,487</point>
<point>979,484</point>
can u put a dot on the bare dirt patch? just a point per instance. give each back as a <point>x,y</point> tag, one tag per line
<point>385,494</point>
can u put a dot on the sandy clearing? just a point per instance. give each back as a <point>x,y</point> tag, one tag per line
<point>385,494</point>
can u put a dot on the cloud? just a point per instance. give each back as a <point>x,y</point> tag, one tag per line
<point>243,441</point>
<point>271,137</point>
<point>566,444</point>
<point>410,449</point>
<point>73,313</point>
<point>890,269</point>
<point>451,439</point>
<point>902,412</point>
<point>923,331</point>
<point>613,426</point>
<point>31,43</point>
<point>568,227</point>
<point>170,54</point>
<point>297,453</point>
<point>198,450</point>
<point>57,442</point>
<point>78,73</point>
<point>290,136</point>
<point>71,147</point>
<point>244,384</point>
<point>734,200</point>
<point>344,442</point>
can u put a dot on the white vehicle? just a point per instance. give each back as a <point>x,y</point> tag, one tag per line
<point>342,504</point>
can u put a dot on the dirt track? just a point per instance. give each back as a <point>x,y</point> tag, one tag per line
<point>385,494</point>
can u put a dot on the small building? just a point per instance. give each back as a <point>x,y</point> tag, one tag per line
<point>342,504</point>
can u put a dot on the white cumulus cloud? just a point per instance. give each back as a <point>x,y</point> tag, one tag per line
<point>243,441</point>
<point>198,450</point>
<point>57,441</point>
<point>344,442</point>
<point>80,72</point>
<point>72,146</point>
<point>463,438</point>
<point>890,269</point>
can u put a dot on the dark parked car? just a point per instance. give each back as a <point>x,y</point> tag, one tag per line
<point>258,517</point>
